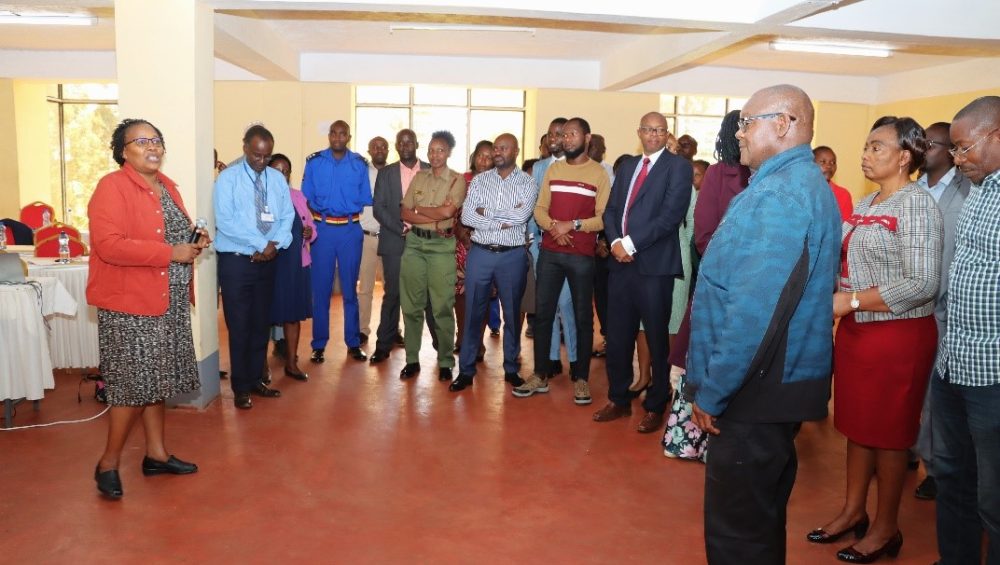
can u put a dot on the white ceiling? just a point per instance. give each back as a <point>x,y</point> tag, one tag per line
<point>640,46</point>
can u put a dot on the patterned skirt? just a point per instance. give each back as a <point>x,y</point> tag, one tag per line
<point>147,359</point>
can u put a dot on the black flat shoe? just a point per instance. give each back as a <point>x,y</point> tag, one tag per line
<point>363,337</point>
<point>265,391</point>
<point>820,536</point>
<point>927,489</point>
<point>172,465</point>
<point>409,371</point>
<point>461,382</point>
<point>242,401</point>
<point>513,378</point>
<point>296,376</point>
<point>109,483</point>
<point>357,354</point>
<point>378,357</point>
<point>444,374</point>
<point>317,356</point>
<point>891,548</point>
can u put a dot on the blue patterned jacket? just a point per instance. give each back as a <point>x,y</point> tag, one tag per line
<point>761,323</point>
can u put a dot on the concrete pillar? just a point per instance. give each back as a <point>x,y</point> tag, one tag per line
<point>165,75</point>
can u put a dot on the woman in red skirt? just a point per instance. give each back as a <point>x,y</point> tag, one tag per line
<point>887,338</point>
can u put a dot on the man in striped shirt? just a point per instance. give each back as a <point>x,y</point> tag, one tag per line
<point>570,204</point>
<point>497,207</point>
<point>966,397</point>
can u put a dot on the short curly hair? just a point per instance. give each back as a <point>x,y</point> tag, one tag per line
<point>118,138</point>
<point>910,137</point>
<point>446,136</point>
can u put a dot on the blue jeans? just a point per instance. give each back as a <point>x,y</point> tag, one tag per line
<point>966,428</point>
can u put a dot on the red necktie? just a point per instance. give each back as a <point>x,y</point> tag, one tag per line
<point>635,191</point>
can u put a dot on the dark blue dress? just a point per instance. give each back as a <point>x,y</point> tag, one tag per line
<point>292,287</point>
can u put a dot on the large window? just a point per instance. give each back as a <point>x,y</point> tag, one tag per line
<point>470,114</point>
<point>699,117</point>
<point>81,120</point>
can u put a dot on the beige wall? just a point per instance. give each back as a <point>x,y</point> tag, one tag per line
<point>929,110</point>
<point>10,203</point>
<point>31,116</point>
<point>615,115</point>
<point>844,127</point>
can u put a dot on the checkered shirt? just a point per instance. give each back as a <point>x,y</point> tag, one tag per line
<point>970,352</point>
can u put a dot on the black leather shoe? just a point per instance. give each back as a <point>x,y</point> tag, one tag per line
<point>378,357</point>
<point>363,337</point>
<point>444,374</point>
<point>494,332</point>
<point>242,401</point>
<point>281,349</point>
<point>513,378</point>
<point>357,354</point>
<point>109,483</point>
<point>859,529</point>
<point>172,465</point>
<point>409,371</point>
<point>927,489</point>
<point>891,548</point>
<point>265,391</point>
<point>460,383</point>
<point>297,376</point>
<point>317,356</point>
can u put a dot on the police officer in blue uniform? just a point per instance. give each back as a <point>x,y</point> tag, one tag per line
<point>336,185</point>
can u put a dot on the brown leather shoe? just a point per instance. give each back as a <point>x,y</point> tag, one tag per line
<point>612,412</point>
<point>651,422</point>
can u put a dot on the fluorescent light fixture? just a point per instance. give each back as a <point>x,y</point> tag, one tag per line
<point>458,27</point>
<point>825,48</point>
<point>13,18</point>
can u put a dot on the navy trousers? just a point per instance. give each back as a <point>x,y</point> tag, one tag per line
<point>510,270</point>
<point>247,291</point>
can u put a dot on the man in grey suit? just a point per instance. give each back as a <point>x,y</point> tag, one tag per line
<point>390,186</point>
<point>949,187</point>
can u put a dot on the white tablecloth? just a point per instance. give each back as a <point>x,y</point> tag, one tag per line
<point>73,339</point>
<point>25,363</point>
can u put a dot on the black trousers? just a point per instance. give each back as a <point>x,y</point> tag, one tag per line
<point>552,271</point>
<point>748,479</point>
<point>644,298</point>
<point>388,320</point>
<point>247,291</point>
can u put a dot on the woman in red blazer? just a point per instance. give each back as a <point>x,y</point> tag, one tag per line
<point>141,283</point>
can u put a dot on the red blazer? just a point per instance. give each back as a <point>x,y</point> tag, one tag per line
<point>129,256</point>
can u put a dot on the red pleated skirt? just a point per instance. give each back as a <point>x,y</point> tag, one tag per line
<point>880,375</point>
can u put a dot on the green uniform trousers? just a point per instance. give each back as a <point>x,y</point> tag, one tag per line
<point>428,271</point>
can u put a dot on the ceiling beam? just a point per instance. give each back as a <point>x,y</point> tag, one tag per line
<point>253,45</point>
<point>653,57</point>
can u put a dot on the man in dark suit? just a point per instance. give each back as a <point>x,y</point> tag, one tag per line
<point>649,199</point>
<point>949,188</point>
<point>390,186</point>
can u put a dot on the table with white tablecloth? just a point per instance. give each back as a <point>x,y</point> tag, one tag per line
<point>73,339</point>
<point>25,363</point>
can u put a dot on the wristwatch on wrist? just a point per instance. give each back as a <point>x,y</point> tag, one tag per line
<point>577,224</point>
<point>855,303</point>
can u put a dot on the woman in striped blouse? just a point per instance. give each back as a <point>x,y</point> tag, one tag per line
<point>887,337</point>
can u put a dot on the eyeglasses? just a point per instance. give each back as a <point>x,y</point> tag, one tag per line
<point>744,123</point>
<point>147,141</point>
<point>658,131</point>
<point>957,152</point>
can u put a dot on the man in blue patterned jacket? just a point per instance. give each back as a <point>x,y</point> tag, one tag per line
<point>761,329</point>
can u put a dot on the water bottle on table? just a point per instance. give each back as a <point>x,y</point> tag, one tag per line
<point>63,248</point>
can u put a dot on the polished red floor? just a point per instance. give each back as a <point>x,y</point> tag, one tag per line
<point>355,466</point>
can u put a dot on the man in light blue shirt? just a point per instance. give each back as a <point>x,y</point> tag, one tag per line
<point>253,219</point>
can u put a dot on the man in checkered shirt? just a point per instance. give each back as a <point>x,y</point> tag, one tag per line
<point>965,400</point>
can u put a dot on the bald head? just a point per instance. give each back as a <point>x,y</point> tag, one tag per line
<point>780,118</point>
<point>505,152</point>
<point>975,133</point>
<point>653,133</point>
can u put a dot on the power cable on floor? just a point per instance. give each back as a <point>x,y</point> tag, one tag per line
<point>103,412</point>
